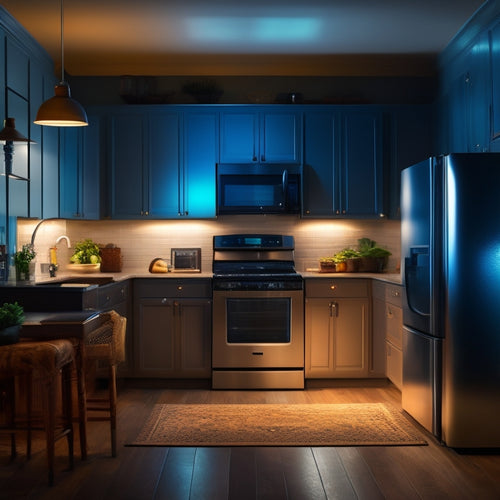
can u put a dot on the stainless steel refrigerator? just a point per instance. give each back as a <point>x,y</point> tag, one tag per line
<point>450,262</point>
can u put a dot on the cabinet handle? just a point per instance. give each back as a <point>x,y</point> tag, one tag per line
<point>179,287</point>
<point>164,300</point>
<point>390,314</point>
<point>334,309</point>
<point>333,287</point>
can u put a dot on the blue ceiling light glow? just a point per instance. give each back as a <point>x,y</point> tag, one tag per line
<point>260,30</point>
<point>282,29</point>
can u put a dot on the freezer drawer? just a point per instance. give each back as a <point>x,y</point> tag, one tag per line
<point>421,392</point>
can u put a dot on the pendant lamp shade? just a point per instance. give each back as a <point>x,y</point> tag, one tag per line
<point>9,132</point>
<point>61,110</point>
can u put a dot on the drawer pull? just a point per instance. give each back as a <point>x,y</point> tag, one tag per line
<point>334,309</point>
<point>164,300</point>
<point>179,287</point>
<point>333,287</point>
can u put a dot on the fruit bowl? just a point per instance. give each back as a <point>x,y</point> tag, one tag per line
<point>84,268</point>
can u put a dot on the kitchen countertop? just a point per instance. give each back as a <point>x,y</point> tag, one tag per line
<point>387,277</point>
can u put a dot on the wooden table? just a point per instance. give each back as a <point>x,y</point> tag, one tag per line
<point>75,326</point>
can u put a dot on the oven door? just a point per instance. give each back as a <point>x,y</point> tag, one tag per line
<point>258,329</point>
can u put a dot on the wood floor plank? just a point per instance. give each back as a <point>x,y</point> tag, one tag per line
<point>211,474</point>
<point>360,475</point>
<point>270,477</point>
<point>301,473</point>
<point>336,482</point>
<point>388,468</point>
<point>242,473</point>
<point>176,475</point>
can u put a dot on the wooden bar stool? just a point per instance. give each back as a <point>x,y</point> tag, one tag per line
<point>107,344</point>
<point>47,361</point>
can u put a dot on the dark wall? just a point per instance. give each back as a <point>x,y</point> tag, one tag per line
<point>255,89</point>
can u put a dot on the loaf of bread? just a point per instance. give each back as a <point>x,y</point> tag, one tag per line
<point>158,266</point>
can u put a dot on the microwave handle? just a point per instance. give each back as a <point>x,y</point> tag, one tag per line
<point>284,182</point>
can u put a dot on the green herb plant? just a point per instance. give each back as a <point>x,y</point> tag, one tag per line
<point>22,259</point>
<point>11,314</point>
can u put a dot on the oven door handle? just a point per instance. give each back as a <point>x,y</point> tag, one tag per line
<point>334,309</point>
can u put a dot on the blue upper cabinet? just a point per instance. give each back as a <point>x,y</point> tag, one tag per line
<point>162,162</point>
<point>495,85</point>
<point>128,193</point>
<point>201,142</point>
<point>343,163</point>
<point>145,163</point>
<point>466,99</point>
<point>262,134</point>
<point>239,137</point>
<point>80,171</point>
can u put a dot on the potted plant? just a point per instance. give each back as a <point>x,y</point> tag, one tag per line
<point>350,257</point>
<point>11,319</point>
<point>327,264</point>
<point>373,258</point>
<point>203,91</point>
<point>23,263</point>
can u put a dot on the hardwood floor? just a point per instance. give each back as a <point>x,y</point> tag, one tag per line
<point>392,472</point>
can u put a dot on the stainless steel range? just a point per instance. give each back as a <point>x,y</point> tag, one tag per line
<point>258,313</point>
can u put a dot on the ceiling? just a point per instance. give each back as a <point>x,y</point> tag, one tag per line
<point>227,37</point>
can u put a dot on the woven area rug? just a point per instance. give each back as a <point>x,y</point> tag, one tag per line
<point>194,425</point>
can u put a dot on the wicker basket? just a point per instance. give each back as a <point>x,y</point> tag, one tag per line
<point>111,260</point>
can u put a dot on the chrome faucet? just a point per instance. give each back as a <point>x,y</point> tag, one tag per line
<point>64,238</point>
<point>53,267</point>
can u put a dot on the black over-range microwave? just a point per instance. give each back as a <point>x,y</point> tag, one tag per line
<point>258,189</point>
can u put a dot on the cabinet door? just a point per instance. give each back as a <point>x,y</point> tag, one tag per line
<point>361,174</point>
<point>80,171</point>
<point>478,85</point>
<point>350,317</point>
<point>280,137</point>
<point>410,137</point>
<point>164,165</point>
<point>495,80</point>
<point>320,175</point>
<point>336,338</point>
<point>239,137</point>
<point>129,178</point>
<point>18,107</point>
<point>154,337</point>
<point>379,329</point>
<point>200,158</point>
<point>69,197</point>
<point>194,338</point>
<point>319,347</point>
<point>91,169</point>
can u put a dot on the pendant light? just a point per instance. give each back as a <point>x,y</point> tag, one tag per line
<point>9,135</point>
<point>61,110</point>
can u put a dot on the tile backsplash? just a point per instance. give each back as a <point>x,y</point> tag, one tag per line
<point>142,241</point>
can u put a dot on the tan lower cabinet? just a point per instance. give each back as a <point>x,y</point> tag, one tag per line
<point>172,328</point>
<point>337,316</point>
<point>388,324</point>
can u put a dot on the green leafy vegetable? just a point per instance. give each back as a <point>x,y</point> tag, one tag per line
<point>86,252</point>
